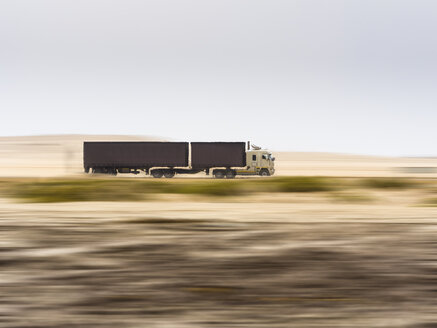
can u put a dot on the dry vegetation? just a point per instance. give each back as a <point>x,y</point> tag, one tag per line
<point>119,189</point>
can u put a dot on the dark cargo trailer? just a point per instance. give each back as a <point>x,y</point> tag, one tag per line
<point>135,154</point>
<point>218,154</point>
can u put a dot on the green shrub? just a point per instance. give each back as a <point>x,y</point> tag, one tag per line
<point>387,183</point>
<point>78,190</point>
<point>348,197</point>
<point>430,202</point>
<point>303,184</point>
<point>73,191</point>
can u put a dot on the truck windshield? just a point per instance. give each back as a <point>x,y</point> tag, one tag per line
<point>268,157</point>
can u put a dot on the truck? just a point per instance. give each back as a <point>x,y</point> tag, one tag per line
<point>166,159</point>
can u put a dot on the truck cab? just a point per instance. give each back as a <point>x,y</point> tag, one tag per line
<point>259,162</point>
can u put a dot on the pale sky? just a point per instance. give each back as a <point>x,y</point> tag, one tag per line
<point>352,76</point>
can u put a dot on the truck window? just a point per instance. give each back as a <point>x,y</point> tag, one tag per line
<point>253,157</point>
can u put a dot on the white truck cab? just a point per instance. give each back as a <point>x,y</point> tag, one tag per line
<point>259,162</point>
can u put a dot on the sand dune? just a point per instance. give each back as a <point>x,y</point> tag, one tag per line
<point>59,155</point>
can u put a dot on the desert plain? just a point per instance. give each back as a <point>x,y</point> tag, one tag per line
<point>359,251</point>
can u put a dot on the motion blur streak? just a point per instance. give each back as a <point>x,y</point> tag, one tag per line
<point>336,227</point>
<point>282,261</point>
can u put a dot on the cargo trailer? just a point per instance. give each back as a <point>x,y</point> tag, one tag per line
<point>130,157</point>
<point>218,154</point>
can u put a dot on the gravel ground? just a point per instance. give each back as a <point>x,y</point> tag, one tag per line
<point>218,264</point>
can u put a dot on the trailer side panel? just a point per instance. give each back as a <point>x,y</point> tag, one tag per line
<point>135,154</point>
<point>218,154</point>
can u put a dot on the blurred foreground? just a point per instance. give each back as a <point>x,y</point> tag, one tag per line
<point>362,254</point>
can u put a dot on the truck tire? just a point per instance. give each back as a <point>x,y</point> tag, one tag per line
<point>219,174</point>
<point>169,174</point>
<point>264,173</point>
<point>157,174</point>
<point>230,174</point>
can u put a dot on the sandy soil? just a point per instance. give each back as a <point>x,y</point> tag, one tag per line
<point>340,259</point>
<point>44,156</point>
<point>284,260</point>
<point>327,164</point>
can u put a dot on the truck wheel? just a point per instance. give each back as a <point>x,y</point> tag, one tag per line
<point>230,174</point>
<point>219,174</point>
<point>169,174</point>
<point>157,174</point>
<point>264,173</point>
